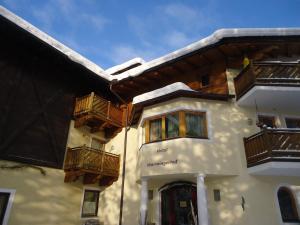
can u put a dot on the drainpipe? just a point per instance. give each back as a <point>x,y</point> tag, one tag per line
<point>124,151</point>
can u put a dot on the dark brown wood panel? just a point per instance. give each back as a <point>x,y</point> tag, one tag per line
<point>36,108</point>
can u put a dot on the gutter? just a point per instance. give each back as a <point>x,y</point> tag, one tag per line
<point>124,150</point>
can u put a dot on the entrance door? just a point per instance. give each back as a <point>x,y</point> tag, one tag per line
<point>179,204</point>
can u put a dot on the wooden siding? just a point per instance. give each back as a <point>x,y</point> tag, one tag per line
<point>35,114</point>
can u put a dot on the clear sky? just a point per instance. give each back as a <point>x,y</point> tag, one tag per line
<point>110,32</point>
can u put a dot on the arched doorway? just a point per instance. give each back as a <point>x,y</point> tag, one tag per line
<point>179,204</point>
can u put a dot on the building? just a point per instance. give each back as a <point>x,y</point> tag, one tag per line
<point>212,132</point>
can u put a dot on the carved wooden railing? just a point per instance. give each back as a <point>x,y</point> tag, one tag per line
<point>91,160</point>
<point>273,145</point>
<point>267,74</point>
<point>96,106</point>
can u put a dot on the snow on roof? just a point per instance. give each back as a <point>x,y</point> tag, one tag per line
<point>161,92</point>
<point>210,40</point>
<point>71,54</point>
<point>125,65</point>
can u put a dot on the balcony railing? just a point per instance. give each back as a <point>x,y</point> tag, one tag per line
<point>273,145</point>
<point>93,164</point>
<point>96,111</point>
<point>267,74</point>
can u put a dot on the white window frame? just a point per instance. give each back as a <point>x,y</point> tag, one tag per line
<point>82,199</point>
<point>9,204</point>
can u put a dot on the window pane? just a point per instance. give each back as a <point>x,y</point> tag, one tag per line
<point>287,206</point>
<point>90,203</point>
<point>155,130</point>
<point>172,125</point>
<point>3,204</point>
<point>267,121</point>
<point>195,126</point>
<point>292,123</point>
<point>97,144</point>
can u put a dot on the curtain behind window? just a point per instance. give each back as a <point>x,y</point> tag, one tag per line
<point>155,130</point>
<point>194,125</point>
<point>172,125</point>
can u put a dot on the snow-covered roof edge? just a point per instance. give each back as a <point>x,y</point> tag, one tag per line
<point>71,54</point>
<point>125,65</point>
<point>210,40</point>
<point>161,92</point>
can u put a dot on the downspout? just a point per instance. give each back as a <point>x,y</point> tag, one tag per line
<point>124,152</point>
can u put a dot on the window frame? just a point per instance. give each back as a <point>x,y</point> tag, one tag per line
<point>290,118</point>
<point>11,193</point>
<point>89,216</point>
<point>182,126</point>
<point>274,120</point>
<point>294,205</point>
<point>98,139</point>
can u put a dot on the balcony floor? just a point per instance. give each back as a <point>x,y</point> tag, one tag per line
<point>276,168</point>
<point>272,97</point>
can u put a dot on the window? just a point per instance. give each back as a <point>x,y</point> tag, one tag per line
<point>174,125</point>
<point>292,123</point>
<point>6,200</point>
<point>90,203</point>
<point>155,129</point>
<point>195,125</point>
<point>287,205</point>
<point>97,144</point>
<point>4,197</point>
<point>205,80</point>
<point>266,121</point>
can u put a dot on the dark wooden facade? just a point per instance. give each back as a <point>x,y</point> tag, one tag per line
<point>38,87</point>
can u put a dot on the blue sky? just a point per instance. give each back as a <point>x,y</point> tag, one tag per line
<point>110,32</point>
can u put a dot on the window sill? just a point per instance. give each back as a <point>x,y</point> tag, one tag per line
<point>89,217</point>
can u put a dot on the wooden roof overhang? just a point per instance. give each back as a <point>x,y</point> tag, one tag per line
<point>137,109</point>
<point>228,53</point>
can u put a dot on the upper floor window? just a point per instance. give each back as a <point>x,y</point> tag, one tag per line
<point>97,144</point>
<point>287,205</point>
<point>176,124</point>
<point>155,129</point>
<point>292,123</point>
<point>266,121</point>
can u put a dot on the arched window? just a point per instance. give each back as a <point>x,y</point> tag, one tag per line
<point>287,205</point>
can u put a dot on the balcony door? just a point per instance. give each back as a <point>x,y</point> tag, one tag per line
<point>179,204</point>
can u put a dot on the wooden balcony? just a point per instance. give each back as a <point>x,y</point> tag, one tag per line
<point>282,145</point>
<point>98,114</point>
<point>94,165</point>
<point>264,76</point>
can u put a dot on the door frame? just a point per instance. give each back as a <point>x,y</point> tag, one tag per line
<point>167,186</point>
